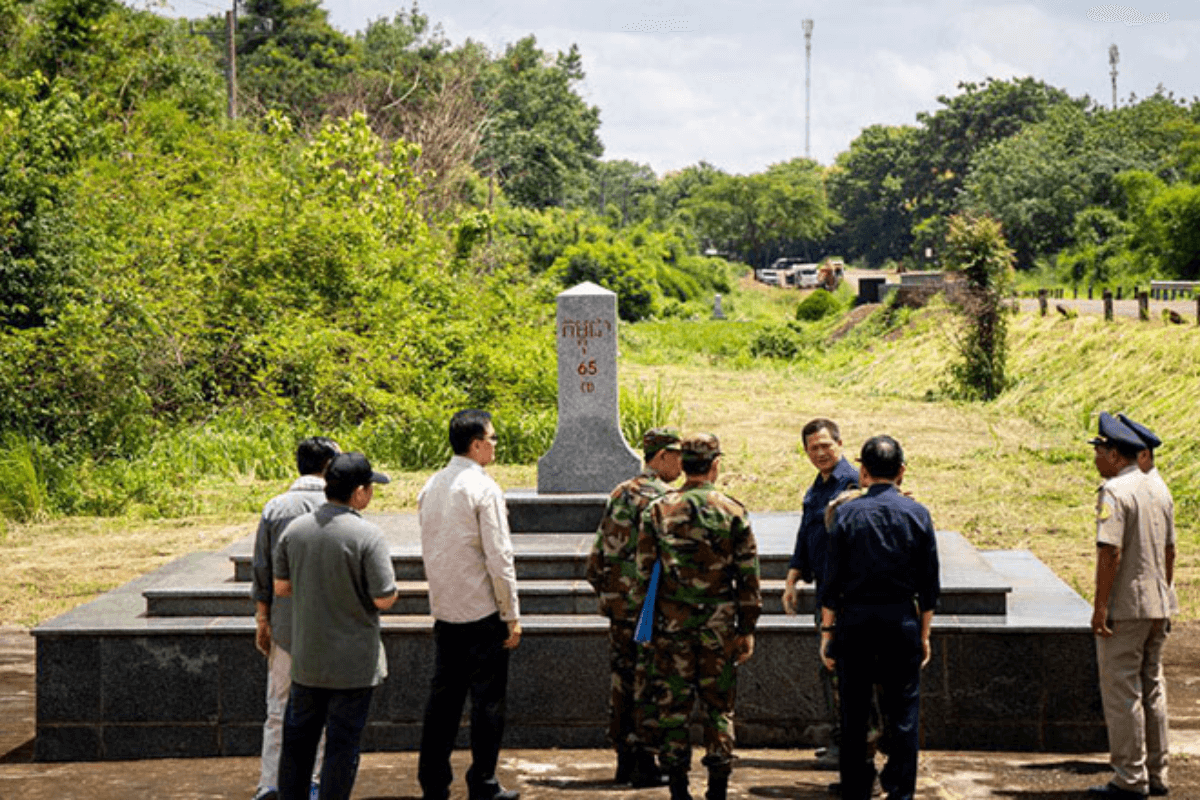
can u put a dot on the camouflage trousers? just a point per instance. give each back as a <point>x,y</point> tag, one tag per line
<point>627,662</point>
<point>684,668</point>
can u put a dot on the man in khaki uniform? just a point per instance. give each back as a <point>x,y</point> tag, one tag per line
<point>1131,615</point>
<point>613,574</point>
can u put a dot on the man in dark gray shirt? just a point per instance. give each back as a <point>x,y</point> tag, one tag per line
<point>274,615</point>
<point>337,568</point>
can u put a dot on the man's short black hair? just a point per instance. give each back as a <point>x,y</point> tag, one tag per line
<point>693,465</point>
<point>314,454</point>
<point>1127,450</point>
<point>816,426</point>
<point>465,427</point>
<point>882,457</point>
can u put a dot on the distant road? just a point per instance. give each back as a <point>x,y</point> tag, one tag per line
<point>1121,308</point>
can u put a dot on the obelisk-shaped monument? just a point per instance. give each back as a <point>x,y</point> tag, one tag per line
<point>589,453</point>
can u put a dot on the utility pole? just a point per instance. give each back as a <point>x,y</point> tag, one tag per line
<point>231,59</point>
<point>1113,58</point>
<point>808,27</point>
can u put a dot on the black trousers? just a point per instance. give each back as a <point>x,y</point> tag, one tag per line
<point>879,645</point>
<point>470,659</point>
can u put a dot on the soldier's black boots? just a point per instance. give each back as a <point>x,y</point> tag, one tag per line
<point>625,764</point>
<point>645,770</point>
<point>679,783</point>
<point>718,782</point>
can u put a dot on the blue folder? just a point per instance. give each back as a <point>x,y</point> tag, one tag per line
<point>645,625</point>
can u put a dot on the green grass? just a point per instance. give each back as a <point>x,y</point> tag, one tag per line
<point>1014,473</point>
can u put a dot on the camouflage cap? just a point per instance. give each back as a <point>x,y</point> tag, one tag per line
<point>657,439</point>
<point>700,446</point>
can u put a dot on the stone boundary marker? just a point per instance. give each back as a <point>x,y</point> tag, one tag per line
<point>589,454</point>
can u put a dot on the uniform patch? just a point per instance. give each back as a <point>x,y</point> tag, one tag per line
<point>1103,512</point>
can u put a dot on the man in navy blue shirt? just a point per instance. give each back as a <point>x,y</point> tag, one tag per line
<point>823,445</point>
<point>882,584</point>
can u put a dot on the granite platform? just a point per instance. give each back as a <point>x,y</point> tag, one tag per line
<point>166,665</point>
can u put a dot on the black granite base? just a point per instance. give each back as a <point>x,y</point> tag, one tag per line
<point>530,512</point>
<point>145,707</point>
<point>115,683</point>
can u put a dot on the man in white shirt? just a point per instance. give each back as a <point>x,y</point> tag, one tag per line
<point>468,556</point>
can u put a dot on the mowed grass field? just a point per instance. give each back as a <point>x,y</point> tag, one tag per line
<point>1015,473</point>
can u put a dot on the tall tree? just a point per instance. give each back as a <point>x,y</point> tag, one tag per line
<point>289,58</point>
<point>1037,181</point>
<point>412,85</point>
<point>540,139</point>
<point>867,188</point>
<point>979,116</point>
<point>674,188</point>
<point>761,216</point>
<point>623,190</point>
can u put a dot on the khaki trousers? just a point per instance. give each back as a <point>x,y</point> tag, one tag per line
<point>1134,692</point>
<point>279,686</point>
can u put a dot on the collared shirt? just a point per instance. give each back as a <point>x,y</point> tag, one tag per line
<point>338,564</point>
<point>812,540</point>
<point>466,546</point>
<point>1130,516</point>
<point>610,568</point>
<point>306,494</point>
<point>882,549</point>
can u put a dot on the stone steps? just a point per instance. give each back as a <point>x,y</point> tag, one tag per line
<point>551,568</point>
<point>165,666</point>
<point>539,596</point>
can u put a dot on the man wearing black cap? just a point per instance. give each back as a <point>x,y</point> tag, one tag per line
<point>612,572</point>
<point>1131,614</point>
<point>337,568</point>
<point>882,584</point>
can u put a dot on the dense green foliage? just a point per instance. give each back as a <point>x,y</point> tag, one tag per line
<point>379,237</point>
<point>1055,171</point>
<point>183,296</point>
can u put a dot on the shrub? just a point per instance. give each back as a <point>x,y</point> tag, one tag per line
<point>777,341</point>
<point>818,305</point>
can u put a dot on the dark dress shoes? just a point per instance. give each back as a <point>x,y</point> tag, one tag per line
<point>1113,792</point>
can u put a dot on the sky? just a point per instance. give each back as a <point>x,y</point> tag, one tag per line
<point>723,81</point>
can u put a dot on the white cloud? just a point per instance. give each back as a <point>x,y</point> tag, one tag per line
<point>731,88</point>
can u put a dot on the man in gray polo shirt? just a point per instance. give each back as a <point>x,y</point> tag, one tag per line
<point>337,569</point>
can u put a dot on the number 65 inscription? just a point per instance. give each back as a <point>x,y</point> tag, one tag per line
<point>588,368</point>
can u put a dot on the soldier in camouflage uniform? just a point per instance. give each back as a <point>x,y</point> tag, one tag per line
<point>708,604</point>
<point>611,571</point>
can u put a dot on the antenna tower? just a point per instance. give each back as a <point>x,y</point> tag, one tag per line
<point>808,28</point>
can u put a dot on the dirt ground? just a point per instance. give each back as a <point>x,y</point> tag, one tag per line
<point>583,774</point>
